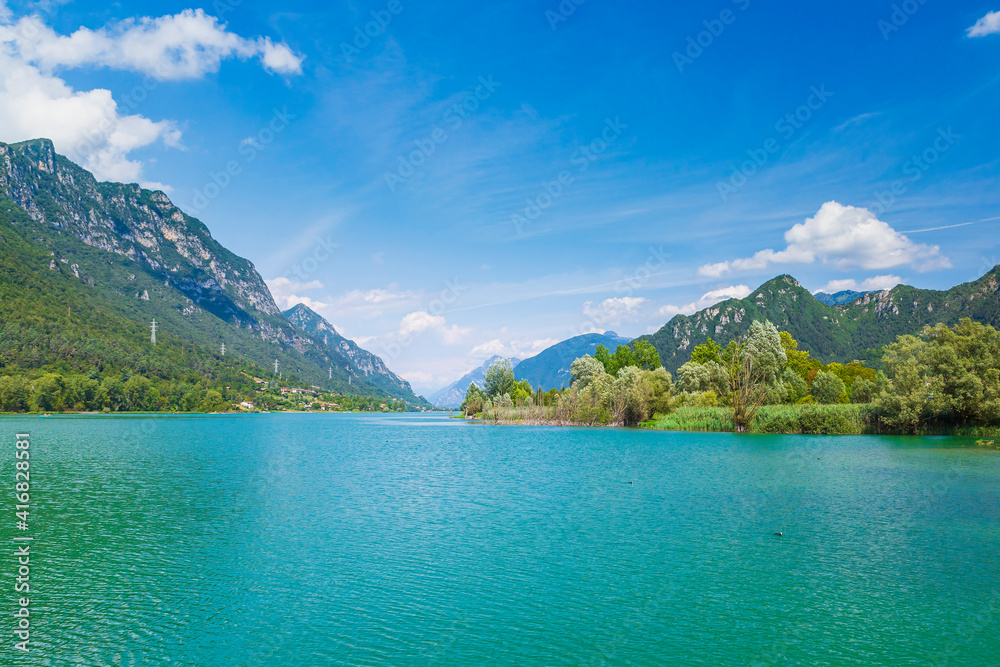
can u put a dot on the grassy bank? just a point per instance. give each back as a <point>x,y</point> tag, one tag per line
<point>801,419</point>
<point>807,419</point>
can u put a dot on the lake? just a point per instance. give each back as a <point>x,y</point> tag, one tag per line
<point>416,539</point>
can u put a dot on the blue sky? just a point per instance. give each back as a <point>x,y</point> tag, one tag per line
<point>491,179</point>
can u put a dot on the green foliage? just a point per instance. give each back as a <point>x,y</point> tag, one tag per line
<point>710,376</point>
<point>827,388</point>
<point>946,377</point>
<point>764,346</point>
<point>15,394</point>
<point>795,386</point>
<point>645,356</point>
<point>474,399</point>
<point>710,351</point>
<point>499,380</point>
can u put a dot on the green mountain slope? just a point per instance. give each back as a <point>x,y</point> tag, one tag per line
<point>87,266</point>
<point>831,333</point>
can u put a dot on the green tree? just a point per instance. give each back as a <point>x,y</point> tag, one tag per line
<point>622,358</point>
<point>709,352</point>
<point>499,380</point>
<point>49,392</point>
<point>827,388</point>
<point>795,386</point>
<point>137,394</point>
<point>748,387</point>
<point>709,376</point>
<point>15,394</point>
<point>763,343</point>
<point>473,403</point>
<point>112,395</point>
<point>645,355</point>
<point>603,355</point>
<point>947,376</point>
<point>798,360</point>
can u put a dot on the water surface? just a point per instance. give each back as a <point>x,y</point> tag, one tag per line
<point>413,539</point>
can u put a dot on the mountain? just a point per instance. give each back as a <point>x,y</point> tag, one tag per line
<point>88,265</point>
<point>839,298</point>
<point>831,333</point>
<point>356,361</point>
<point>451,397</point>
<point>550,369</point>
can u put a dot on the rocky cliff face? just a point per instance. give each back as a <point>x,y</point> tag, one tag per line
<point>135,223</point>
<point>361,361</point>
<point>141,256</point>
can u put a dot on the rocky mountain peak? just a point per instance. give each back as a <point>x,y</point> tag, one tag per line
<point>139,224</point>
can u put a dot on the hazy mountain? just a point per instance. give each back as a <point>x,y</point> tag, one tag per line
<point>550,369</point>
<point>839,298</point>
<point>831,333</point>
<point>88,265</point>
<point>452,396</point>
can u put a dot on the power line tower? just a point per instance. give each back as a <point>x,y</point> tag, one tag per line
<point>152,336</point>
<point>325,340</point>
<point>275,366</point>
<point>330,372</point>
<point>223,349</point>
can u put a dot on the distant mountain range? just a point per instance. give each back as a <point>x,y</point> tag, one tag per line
<point>840,298</point>
<point>550,369</point>
<point>452,396</point>
<point>86,266</point>
<point>841,332</point>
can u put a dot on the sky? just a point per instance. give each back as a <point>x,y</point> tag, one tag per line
<point>447,183</point>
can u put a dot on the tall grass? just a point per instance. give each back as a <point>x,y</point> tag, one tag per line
<point>806,419</point>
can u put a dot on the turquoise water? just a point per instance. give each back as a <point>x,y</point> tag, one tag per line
<point>411,539</point>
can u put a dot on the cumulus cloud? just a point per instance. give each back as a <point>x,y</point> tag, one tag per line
<point>846,237</point>
<point>89,126</point>
<point>421,321</point>
<point>613,311</point>
<point>707,299</point>
<point>988,25</point>
<point>866,285</point>
<point>187,45</point>
<point>518,349</point>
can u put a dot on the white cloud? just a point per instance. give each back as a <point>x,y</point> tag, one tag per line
<point>844,236</point>
<point>867,285</point>
<point>286,293</point>
<point>518,349</point>
<point>421,321</point>
<point>988,25</point>
<point>187,45</point>
<point>88,126</point>
<point>613,311</point>
<point>707,299</point>
<point>373,303</point>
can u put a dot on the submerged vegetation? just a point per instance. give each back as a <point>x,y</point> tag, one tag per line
<point>946,380</point>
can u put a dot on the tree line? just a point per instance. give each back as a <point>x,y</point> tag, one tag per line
<point>939,380</point>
